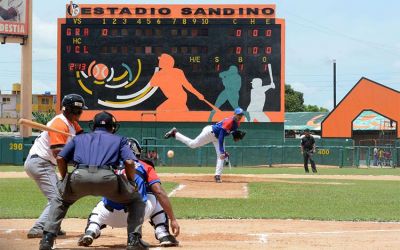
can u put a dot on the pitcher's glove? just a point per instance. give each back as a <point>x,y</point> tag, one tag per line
<point>238,135</point>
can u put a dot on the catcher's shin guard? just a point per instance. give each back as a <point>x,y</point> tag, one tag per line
<point>159,220</point>
<point>93,225</point>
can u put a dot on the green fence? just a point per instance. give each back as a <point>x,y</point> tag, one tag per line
<point>12,150</point>
<point>270,155</point>
<point>264,148</point>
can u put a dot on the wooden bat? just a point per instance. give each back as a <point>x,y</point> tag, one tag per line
<point>41,127</point>
<point>212,105</point>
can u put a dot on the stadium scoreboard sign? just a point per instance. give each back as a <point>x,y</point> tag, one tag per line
<point>177,62</point>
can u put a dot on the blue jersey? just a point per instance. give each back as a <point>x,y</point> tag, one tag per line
<point>224,128</point>
<point>145,177</point>
<point>98,148</point>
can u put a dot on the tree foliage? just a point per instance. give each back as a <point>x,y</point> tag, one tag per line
<point>294,102</point>
<point>43,117</point>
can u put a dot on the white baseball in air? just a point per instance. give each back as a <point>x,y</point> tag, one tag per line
<point>170,153</point>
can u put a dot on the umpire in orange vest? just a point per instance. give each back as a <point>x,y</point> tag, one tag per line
<point>95,156</point>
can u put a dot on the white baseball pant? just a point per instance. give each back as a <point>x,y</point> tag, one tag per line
<point>101,216</point>
<point>206,136</point>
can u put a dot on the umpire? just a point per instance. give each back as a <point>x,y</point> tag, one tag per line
<point>307,150</point>
<point>95,156</point>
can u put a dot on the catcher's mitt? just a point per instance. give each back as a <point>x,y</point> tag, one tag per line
<point>238,135</point>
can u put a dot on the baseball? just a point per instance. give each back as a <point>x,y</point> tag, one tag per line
<point>170,153</point>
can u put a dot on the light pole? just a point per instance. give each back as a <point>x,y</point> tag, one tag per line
<point>334,83</point>
<point>1,109</point>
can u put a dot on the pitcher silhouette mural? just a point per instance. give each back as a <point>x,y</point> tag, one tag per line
<point>232,82</point>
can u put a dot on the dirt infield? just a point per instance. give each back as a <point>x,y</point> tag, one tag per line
<point>228,234</point>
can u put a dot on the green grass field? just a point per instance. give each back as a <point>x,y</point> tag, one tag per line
<point>21,198</point>
<point>255,170</point>
<point>352,200</point>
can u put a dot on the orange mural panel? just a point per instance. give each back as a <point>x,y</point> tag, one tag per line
<point>365,95</point>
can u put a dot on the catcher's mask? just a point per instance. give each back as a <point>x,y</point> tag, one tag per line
<point>104,120</point>
<point>238,135</point>
<point>135,146</point>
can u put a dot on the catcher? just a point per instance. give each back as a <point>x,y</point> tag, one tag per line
<point>113,214</point>
<point>216,134</point>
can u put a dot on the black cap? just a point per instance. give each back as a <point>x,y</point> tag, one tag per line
<point>306,130</point>
<point>74,101</point>
<point>104,119</point>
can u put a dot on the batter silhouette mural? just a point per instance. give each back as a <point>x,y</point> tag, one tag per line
<point>257,100</point>
<point>172,82</point>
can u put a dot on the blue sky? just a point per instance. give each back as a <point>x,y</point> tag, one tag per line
<point>362,37</point>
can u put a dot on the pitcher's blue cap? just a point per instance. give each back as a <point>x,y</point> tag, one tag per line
<point>238,111</point>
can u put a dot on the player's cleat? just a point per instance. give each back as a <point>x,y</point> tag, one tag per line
<point>169,241</point>
<point>86,239</point>
<point>47,242</point>
<point>61,233</point>
<point>217,179</point>
<point>136,243</point>
<point>38,233</point>
<point>170,133</point>
<point>314,171</point>
<point>35,233</point>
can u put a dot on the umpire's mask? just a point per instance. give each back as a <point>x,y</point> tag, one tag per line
<point>104,120</point>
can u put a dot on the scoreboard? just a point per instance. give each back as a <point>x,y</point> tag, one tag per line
<point>177,62</point>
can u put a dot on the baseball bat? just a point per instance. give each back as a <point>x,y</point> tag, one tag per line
<point>270,74</point>
<point>212,105</point>
<point>41,127</point>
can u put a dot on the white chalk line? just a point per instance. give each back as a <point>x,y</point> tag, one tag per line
<point>173,192</point>
<point>328,232</point>
<point>246,191</point>
<point>60,242</point>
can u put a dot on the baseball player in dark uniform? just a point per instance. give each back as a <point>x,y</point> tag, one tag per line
<point>307,150</point>
<point>95,156</point>
<point>216,134</point>
<point>158,207</point>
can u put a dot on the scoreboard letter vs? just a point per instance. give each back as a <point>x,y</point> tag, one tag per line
<point>181,63</point>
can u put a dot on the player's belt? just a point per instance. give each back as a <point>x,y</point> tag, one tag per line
<point>83,166</point>
<point>111,209</point>
<point>34,156</point>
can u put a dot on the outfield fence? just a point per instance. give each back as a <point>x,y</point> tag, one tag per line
<point>270,155</point>
<point>14,150</point>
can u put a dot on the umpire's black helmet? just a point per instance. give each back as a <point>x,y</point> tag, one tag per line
<point>105,120</point>
<point>73,103</point>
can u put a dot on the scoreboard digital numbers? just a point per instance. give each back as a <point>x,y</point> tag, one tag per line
<point>192,63</point>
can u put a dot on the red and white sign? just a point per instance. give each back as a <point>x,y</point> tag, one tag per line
<point>14,17</point>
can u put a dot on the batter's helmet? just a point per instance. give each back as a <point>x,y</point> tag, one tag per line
<point>73,103</point>
<point>105,120</point>
<point>135,146</point>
